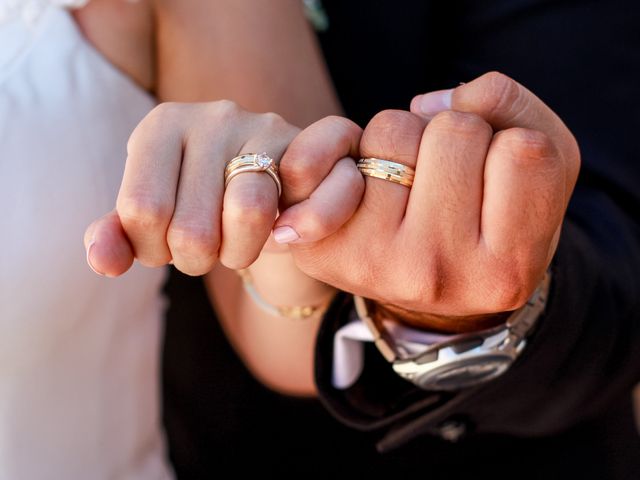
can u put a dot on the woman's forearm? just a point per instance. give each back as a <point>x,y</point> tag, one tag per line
<point>264,56</point>
<point>277,349</point>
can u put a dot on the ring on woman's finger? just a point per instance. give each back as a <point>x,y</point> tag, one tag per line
<point>387,170</point>
<point>252,162</point>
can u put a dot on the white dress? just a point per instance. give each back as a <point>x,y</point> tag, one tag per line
<point>79,354</point>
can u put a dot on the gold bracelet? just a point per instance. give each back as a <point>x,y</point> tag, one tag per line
<point>301,312</point>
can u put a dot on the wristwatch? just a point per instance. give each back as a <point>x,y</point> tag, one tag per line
<point>456,361</point>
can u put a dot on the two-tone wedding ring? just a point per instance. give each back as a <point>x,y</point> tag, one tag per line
<point>252,162</point>
<point>387,170</point>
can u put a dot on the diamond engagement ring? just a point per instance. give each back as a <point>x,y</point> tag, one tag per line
<point>252,162</point>
<point>387,170</point>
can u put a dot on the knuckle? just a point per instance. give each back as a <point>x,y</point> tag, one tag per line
<point>340,124</point>
<point>272,120</point>
<point>160,119</point>
<point>224,110</point>
<point>194,268</point>
<point>234,263</point>
<point>252,208</point>
<point>526,146</point>
<point>497,81</point>
<point>225,106</point>
<point>507,297</point>
<point>294,166</point>
<point>459,124</point>
<point>315,149</point>
<point>338,129</point>
<point>509,289</point>
<point>294,169</point>
<point>163,110</point>
<point>164,115</point>
<point>276,126</point>
<point>393,134</point>
<point>236,260</point>
<point>391,119</point>
<point>315,223</point>
<point>196,242</point>
<point>143,213</point>
<point>498,93</point>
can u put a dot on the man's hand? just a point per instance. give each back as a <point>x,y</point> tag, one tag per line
<point>495,169</point>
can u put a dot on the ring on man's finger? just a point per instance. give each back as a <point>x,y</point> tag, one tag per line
<point>387,170</point>
<point>252,162</point>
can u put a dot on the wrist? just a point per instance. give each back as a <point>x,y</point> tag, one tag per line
<point>462,359</point>
<point>438,323</point>
<point>275,283</point>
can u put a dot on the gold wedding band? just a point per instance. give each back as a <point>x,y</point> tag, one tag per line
<point>252,162</point>
<point>387,170</point>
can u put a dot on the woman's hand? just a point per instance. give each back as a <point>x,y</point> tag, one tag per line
<point>173,206</point>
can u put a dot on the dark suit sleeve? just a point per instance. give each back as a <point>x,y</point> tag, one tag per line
<point>585,352</point>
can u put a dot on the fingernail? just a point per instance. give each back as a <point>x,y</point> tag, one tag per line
<point>285,235</point>
<point>430,104</point>
<point>89,247</point>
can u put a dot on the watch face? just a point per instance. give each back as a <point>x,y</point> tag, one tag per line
<point>463,373</point>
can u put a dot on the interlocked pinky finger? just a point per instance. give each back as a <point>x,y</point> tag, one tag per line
<point>329,207</point>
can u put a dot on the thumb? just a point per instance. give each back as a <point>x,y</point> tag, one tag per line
<point>503,103</point>
<point>109,252</point>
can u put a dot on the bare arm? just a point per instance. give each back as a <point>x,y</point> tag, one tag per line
<point>264,56</point>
